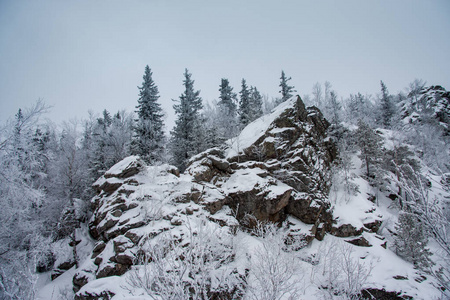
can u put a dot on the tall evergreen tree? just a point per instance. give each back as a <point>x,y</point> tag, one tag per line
<point>227,109</point>
<point>227,98</point>
<point>149,137</point>
<point>286,89</point>
<point>256,101</point>
<point>369,143</point>
<point>387,107</point>
<point>411,241</point>
<point>187,131</point>
<point>244,104</point>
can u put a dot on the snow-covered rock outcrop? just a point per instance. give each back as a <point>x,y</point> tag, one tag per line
<point>276,170</point>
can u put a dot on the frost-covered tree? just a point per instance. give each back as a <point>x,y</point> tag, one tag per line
<point>107,140</point>
<point>401,162</point>
<point>211,126</point>
<point>286,90</point>
<point>24,237</point>
<point>369,143</point>
<point>228,112</point>
<point>317,95</point>
<point>185,141</point>
<point>387,107</point>
<point>411,241</point>
<point>274,272</point>
<point>198,268</point>
<point>358,107</point>
<point>256,101</point>
<point>334,109</point>
<point>244,104</point>
<point>149,137</point>
<point>414,89</point>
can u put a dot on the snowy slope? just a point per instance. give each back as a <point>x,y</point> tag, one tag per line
<point>200,230</point>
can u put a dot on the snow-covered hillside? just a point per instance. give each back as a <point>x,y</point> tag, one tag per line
<point>208,233</point>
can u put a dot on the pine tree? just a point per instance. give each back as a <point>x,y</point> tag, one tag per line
<point>400,161</point>
<point>227,109</point>
<point>244,104</point>
<point>186,133</point>
<point>369,143</point>
<point>334,107</point>
<point>286,90</point>
<point>227,98</point>
<point>411,241</point>
<point>149,137</point>
<point>256,101</point>
<point>387,107</point>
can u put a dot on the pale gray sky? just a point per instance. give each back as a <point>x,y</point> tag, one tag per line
<point>81,55</point>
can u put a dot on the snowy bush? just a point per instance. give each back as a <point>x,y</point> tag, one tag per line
<point>194,268</point>
<point>340,273</point>
<point>275,271</point>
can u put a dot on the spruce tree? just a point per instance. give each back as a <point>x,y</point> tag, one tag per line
<point>286,89</point>
<point>369,143</point>
<point>227,98</point>
<point>149,137</point>
<point>227,109</point>
<point>411,241</point>
<point>256,101</point>
<point>187,131</point>
<point>244,104</point>
<point>387,107</point>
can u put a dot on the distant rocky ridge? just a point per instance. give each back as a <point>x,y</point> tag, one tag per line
<point>430,102</point>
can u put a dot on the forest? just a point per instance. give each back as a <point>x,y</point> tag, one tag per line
<point>393,144</point>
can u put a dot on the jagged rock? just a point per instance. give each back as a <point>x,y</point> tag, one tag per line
<point>56,273</point>
<point>123,228</point>
<point>346,230</point>
<point>382,294</point>
<point>125,259</point>
<point>98,260</point>
<point>373,226</point>
<point>133,236</point>
<point>79,280</point>
<point>307,210</point>
<point>121,244</point>
<point>112,269</point>
<point>66,265</point>
<point>107,224</point>
<point>128,167</point>
<point>264,198</point>
<point>176,221</point>
<point>361,242</point>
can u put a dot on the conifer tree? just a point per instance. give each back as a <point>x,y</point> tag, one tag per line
<point>369,143</point>
<point>227,98</point>
<point>256,101</point>
<point>334,107</point>
<point>149,137</point>
<point>387,107</point>
<point>244,104</point>
<point>227,109</point>
<point>411,241</point>
<point>286,89</point>
<point>187,131</point>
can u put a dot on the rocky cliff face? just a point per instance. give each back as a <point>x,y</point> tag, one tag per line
<point>278,166</point>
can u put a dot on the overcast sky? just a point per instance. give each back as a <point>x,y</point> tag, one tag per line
<point>81,55</point>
